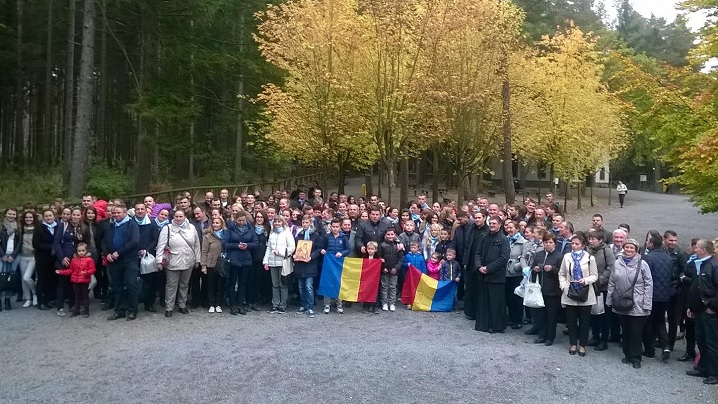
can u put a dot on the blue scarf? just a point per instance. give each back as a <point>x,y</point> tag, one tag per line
<point>123,221</point>
<point>512,239</point>
<point>393,221</point>
<point>577,272</point>
<point>415,216</point>
<point>51,227</point>
<point>219,233</point>
<point>699,261</point>
<point>145,220</point>
<point>259,230</point>
<point>162,223</point>
<point>307,233</point>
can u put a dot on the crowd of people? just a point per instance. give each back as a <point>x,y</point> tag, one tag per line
<point>239,253</point>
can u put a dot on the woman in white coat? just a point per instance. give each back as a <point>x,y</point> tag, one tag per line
<point>178,252</point>
<point>578,271</point>
<point>278,260</point>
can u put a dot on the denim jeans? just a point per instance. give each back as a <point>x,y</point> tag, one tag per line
<point>306,293</point>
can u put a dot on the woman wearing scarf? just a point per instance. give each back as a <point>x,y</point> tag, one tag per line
<point>278,254</point>
<point>43,241</point>
<point>67,236</point>
<point>391,219</point>
<point>628,268</point>
<point>239,240</point>
<point>96,231</point>
<point>10,246</point>
<point>160,221</point>
<point>178,251</point>
<point>578,270</point>
<point>545,269</point>
<point>211,251</point>
<point>514,274</point>
<point>259,283</point>
<point>27,259</point>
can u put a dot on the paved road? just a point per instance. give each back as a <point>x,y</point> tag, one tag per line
<point>401,357</point>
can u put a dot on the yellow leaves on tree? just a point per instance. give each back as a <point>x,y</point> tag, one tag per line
<point>563,114</point>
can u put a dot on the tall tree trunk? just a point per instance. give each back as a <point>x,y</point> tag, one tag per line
<point>69,95</point>
<point>101,128</point>
<point>508,177</point>
<point>239,134</point>
<point>435,176</point>
<point>391,171</point>
<point>85,95</point>
<point>143,151</point>
<point>19,149</point>
<point>404,184</point>
<point>45,144</point>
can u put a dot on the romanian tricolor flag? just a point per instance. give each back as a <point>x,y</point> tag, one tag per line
<point>425,293</point>
<point>350,279</point>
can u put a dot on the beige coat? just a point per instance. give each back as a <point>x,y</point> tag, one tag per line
<point>590,276</point>
<point>211,249</point>
<point>184,246</point>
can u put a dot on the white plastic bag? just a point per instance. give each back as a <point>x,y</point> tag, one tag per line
<point>93,283</point>
<point>521,289</point>
<point>598,308</point>
<point>533,297</point>
<point>147,264</point>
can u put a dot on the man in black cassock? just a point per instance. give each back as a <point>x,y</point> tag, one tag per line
<point>475,233</point>
<point>491,259</point>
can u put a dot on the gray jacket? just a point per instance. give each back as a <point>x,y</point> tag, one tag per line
<point>513,267</point>
<point>621,280</point>
<point>605,261</point>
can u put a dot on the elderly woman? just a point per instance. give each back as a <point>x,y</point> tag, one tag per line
<point>578,272</point>
<point>178,252</point>
<point>630,294</point>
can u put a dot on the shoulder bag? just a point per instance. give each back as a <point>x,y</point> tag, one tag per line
<point>7,278</point>
<point>624,302</point>
<point>579,294</point>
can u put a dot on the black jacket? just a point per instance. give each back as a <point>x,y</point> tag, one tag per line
<point>130,241</point>
<point>310,269</point>
<point>472,242</point>
<point>368,231</point>
<point>703,291</point>
<point>661,266</point>
<point>460,242</point>
<point>679,258</point>
<point>149,235</point>
<point>494,254</point>
<point>549,280</point>
<point>392,257</point>
<point>5,238</point>
<point>44,244</point>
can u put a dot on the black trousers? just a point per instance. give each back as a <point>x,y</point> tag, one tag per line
<point>656,327</point>
<point>215,287</point>
<point>578,320</point>
<point>633,336</point>
<point>471,279</point>
<point>125,285</point>
<point>621,198</point>
<point>254,282</point>
<point>676,316</point>
<point>514,303</point>
<point>64,291</point>
<point>101,290</point>
<point>237,277</point>
<point>690,336</point>
<point>82,296</point>
<point>601,324</point>
<point>546,318</point>
<point>46,288</point>
<point>151,284</point>
<point>491,306</point>
<point>198,287</point>
<point>707,339</point>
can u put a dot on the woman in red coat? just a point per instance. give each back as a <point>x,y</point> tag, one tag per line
<point>81,269</point>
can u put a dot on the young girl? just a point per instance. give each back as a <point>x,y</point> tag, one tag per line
<point>431,241</point>
<point>433,266</point>
<point>371,253</point>
<point>82,266</point>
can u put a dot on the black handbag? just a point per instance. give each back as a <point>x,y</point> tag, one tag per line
<point>624,302</point>
<point>223,264</point>
<point>579,295</point>
<point>7,279</point>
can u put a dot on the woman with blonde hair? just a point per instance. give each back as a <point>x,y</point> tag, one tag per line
<point>277,260</point>
<point>209,260</point>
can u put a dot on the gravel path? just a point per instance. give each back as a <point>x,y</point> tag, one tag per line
<point>401,357</point>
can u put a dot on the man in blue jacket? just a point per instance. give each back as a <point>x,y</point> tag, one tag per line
<point>121,249</point>
<point>661,266</point>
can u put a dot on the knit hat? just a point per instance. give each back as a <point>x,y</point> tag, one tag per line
<point>632,241</point>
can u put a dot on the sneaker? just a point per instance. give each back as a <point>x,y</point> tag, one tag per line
<point>281,311</point>
<point>301,310</point>
<point>61,313</point>
<point>27,304</point>
<point>34,300</point>
<point>311,313</point>
<point>340,310</point>
<point>384,307</point>
<point>392,307</point>
<point>326,309</point>
<point>274,310</point>
<point>218,309</point>
<point>211,309</point>
<point>408,307</point>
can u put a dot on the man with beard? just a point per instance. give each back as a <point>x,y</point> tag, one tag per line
<point>491,260</point>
